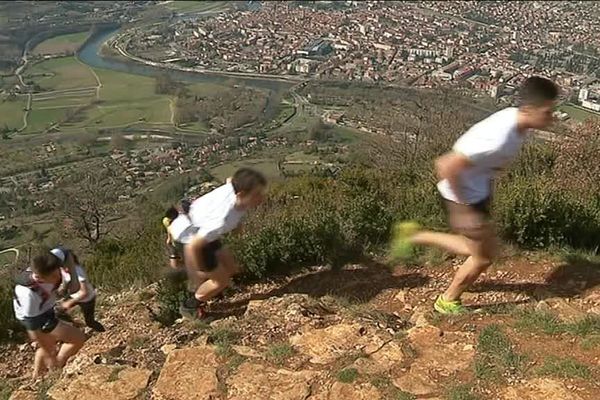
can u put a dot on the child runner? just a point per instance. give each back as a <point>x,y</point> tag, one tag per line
<point>34,301</point>
<point>210,265</point>
<point>85,295</point>
<point>466,174</point>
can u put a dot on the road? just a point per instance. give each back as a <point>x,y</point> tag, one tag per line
<point>24,86</point>
<point>11,250</point>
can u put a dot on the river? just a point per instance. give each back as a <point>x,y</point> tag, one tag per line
<point>90,55</point>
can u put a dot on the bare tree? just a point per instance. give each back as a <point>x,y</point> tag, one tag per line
<point>90,204</point>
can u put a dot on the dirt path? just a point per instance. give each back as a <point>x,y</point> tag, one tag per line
<point>99,86</point>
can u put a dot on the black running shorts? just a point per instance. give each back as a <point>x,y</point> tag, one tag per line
<point>209,255</point>
<point>469,220</point>
<point>45,322</point>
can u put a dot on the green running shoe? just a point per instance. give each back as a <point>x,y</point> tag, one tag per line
<point>449,307</point>
<point>401,247</point>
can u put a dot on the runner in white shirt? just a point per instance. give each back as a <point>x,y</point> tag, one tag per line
<point>34,301</point>
<point>210,265</point>
<point>466,175</point>
<point>85,295</point>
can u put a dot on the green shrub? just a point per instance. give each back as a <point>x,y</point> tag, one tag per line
<point>8,323</point>
<point>171,292</point>
<point>533,213</point>
<point>347,375</point>
<point>5,390</point>
<point>137,259</point>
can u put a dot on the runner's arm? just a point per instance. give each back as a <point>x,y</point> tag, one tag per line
<point>79,295</point>
<point>449,167</point>
<point>73,285</point>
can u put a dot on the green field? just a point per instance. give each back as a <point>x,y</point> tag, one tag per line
<point>266,166</point>
<point>61,73</point>
<point>61,44</point>
<point>11,113</point>
<point>301,156</point>
<point>67,102</point>
<point>342,134</point>
<point>195,6</point>
<point>155,111</point>
<point>124,99</point>
<point>578,113</point>
<point>8,82</point>
<point>39,120</point>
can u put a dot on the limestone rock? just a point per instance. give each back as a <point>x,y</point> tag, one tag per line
<point>168,348</point>
<point>419,316</point>
<point>381,361</point>
<point>438,356</point>
<point>326,345</point>
<point>102,382</point>
<point>539,389</point>
<point>246,351</point>
<point>188,374</point>
<point>561,309</point>
<point>400,296</point>
<point>348,391</point>
<point>23,395</point>
<point>416,382</point>
<point>97,347</point>
<point>258,382</point>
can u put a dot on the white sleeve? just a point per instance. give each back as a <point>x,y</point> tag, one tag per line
<point>81,276</point>
<point>475,146</point>
<point>212,230</point>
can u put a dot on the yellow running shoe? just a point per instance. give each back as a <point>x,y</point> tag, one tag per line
<point>401,247</point>
<point>449,307</point>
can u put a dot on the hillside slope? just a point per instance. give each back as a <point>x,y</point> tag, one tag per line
<point>363,332</point>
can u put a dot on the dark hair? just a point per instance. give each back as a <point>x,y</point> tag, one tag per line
<point>45,264</point>
<point>185,206</point>
<point>172,213</point>
<point>537,90</point>
<point>246,179</point>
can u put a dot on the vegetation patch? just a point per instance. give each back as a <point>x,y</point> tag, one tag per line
<point>114,374</point>
<point>138,342</point>
<point>496,357</point>
<point>5,390</point>
<point>347,375</point>
<point>223,338</point>
<point>542,321</point>
<point>280,352</point>
<point>565,368</point>
<point>592,342</point>
<point>461,392</point>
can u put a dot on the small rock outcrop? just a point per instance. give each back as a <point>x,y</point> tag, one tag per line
<point>188,374</point>
<point>102,382</point>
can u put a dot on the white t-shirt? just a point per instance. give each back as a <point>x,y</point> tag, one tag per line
<point>82,278</point>
<point>28,303</point>
<point>211,216</point>
<point>490,145</point>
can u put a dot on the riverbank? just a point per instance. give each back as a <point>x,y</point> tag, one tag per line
<point>90,55</point>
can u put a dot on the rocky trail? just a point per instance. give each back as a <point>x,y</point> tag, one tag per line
<point>362,332</point>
